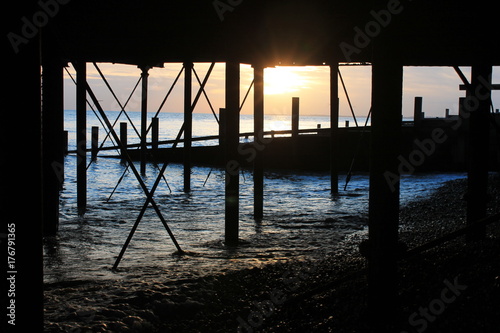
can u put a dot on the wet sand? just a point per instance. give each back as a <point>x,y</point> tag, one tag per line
<point>327,295</point>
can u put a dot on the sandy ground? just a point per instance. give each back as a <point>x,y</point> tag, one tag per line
<point>327,295</point>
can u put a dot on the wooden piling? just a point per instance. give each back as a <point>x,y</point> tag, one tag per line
<point>123,140</point>
<point>334,127</point>
<point>222,128</point>
<point>188,123</point>
<point>155,134</point>
<point>478,104</point>
<point>94,142</point>
<point>231,153</point>
<point>258,171</point>
<point>387,85</point>
<point>417,112</point>
<point>52,143</point>
<point>144,118</point>
<point>295,116</point>
<point>65,142</point>
<point>81,135</point>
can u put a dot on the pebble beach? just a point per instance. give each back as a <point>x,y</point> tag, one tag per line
<point>300,295</point>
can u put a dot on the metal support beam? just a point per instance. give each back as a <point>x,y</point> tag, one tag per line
<point>387,85</point>
<point>144,118</point>
<point>258,127</point>
<point>231,153</point>
<point>188,123</point>
<point>52,143</point>
<point>81,135</point>
<point>334,127</point>
<point>478,103</point>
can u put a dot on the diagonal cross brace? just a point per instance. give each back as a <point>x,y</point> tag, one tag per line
<point>149,194</point>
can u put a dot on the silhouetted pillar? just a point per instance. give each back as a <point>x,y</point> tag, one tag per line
<point>123,140</point>
<point>387,85</point>
<point>231,153</point>
<point>52,142</point>
<point>478,103</point>
<point>65,142</point>
<point>334,127</point>
<point>94,142</point>
<point>144,118</point>
<point>258,126</point>
<point>81,135</point>
<point>21,188</point>
<point>295,117</point>
<point>417,112</point>
<point>188,123</point>
<point>222,128</point>
<point>155,129</point>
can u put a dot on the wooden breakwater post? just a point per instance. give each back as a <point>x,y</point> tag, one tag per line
<point>123,140</point>
<point>65,142</point>
<point>417,112</point>
<point>94,142</point>
<point>155,134</point>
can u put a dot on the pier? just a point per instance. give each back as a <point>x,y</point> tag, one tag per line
<point>44,39</point>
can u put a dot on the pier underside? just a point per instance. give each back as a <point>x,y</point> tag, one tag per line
<point>263,33</point>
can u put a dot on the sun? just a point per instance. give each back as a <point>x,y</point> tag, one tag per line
<point>281,80</point>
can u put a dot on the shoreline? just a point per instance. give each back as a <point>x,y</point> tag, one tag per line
<point>300,295</point>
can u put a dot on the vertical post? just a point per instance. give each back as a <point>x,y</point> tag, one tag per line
<point>94,142</point>
<point>65,142</point>
<point>123,140</point>
<point>334,127</point>
<point>478,104</point>
<point>231,153</point>
<point>155,133</point>
<point>295,117</point>
<point>258,128</point>
<point>21,197</point>
<point>222,128</point>
<point>81,135</point>
<point>144,118</point>
<point>347,123</point>
<point>447,113</point>
<point>387,87</point>
<point>52,143</point>
<point>188,123</point>
<point>417,112</point>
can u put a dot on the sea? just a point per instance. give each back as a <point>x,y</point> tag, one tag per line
<point>302,219</point>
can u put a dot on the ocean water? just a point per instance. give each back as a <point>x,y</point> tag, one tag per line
<point>301,217</point>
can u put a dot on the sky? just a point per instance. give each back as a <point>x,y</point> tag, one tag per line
<point>437,85</point>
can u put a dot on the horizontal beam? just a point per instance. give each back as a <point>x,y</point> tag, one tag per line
<point>216,137</point>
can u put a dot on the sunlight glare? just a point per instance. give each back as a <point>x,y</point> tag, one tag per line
<point>280,80</point>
